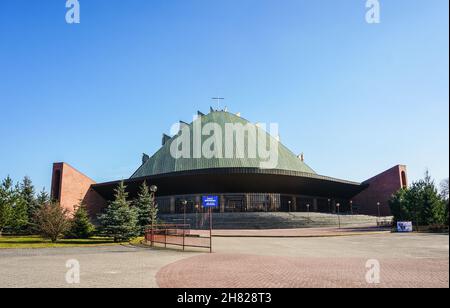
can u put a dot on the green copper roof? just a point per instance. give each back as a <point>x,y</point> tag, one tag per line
<point>162,161</point>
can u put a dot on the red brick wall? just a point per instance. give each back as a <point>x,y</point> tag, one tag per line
<point>381,188</point>
<point>74,187</point>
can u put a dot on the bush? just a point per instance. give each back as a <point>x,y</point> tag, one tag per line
<point>52,221</point>
<point>437,228</point>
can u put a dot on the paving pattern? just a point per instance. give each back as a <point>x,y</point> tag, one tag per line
<point>100,267</point>
<point>253,271</point>
<point>407,260</point>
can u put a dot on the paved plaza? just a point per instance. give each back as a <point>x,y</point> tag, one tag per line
<point>406,260</point>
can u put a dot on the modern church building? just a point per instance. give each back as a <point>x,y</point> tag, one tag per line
<point>221,154</point>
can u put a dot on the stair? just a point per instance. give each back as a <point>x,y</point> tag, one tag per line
<point>278,220</point>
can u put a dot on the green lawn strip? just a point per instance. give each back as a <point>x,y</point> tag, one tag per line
<point>38,242</point>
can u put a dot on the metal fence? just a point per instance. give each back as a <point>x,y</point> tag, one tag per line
<point>177,235</point>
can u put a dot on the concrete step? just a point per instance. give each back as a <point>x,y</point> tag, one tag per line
<point>271,220</point>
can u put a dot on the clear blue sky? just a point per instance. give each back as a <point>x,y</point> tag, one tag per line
<point>355,98</point>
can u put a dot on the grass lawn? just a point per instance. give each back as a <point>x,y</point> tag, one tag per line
<point>39,242</point>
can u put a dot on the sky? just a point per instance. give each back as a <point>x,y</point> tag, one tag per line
<point>356,98</point>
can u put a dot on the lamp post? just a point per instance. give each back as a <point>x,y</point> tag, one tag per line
<point>289,204</point>
<point>197,225</point>
<point>339,217</point>
<point>379,213</point>
<point>184,203</point>
<point>351,207</point>
<point>153,190</point>
<point>329,206</point>
<point>307,209</point>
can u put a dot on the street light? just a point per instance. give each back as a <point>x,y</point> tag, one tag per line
<point>339,217</point>
<point>197,207</point>
<point>184,203</point>
<point>329,206</point>
<point>153,190</point>
<point>289,204</point>
<point>307,209</point>
<point>351,207</point>
<point>379,213</point>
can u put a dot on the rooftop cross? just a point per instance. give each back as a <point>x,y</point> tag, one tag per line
<point>218,99</point>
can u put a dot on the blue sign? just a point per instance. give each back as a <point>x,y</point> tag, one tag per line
<point>210,201</point>
<point>404,226</point>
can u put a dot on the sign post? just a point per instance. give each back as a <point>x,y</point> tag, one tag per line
<point>210,230</point>
<point>210,202</point>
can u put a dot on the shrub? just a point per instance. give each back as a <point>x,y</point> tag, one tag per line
<point>52,221</point>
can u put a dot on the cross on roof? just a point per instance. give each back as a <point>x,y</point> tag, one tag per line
<point>218,99</point>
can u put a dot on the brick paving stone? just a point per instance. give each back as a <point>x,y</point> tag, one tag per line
<point>256,271</point>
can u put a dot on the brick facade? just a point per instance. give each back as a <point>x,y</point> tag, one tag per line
<point>69,187</point>
<point>381,188</point>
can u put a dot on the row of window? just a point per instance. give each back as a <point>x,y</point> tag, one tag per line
<point>232,203</point>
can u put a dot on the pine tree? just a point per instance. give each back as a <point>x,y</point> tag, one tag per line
<point>145,207</point>
<point>13,209</point>
<point>20,218</point>
<point>420,203</point>
<point>6,208</point>
<point>399,206</point>
<point>81,226</point>
<point>120,220</point>
<point>445,198</point>
<point>28,195</point>
<point>42,198</point>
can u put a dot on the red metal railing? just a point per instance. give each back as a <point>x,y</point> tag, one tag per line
<point>176,235</point>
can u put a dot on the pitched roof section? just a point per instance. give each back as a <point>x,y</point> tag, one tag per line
<point>162,161</point>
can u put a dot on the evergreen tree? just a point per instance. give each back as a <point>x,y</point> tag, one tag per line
<point>20,218</point>
<point>13,209</point>
<point>120,220</point>
<point>28,195</point>
<point>420,203</point>
<point>433,206</point>
<point>399,206</point>
<point>415,202</point>
<point>6,207</point>
<point>81,226</point>
<point>146,208</point>
<point>445,198</point>
<point>42,198</point>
